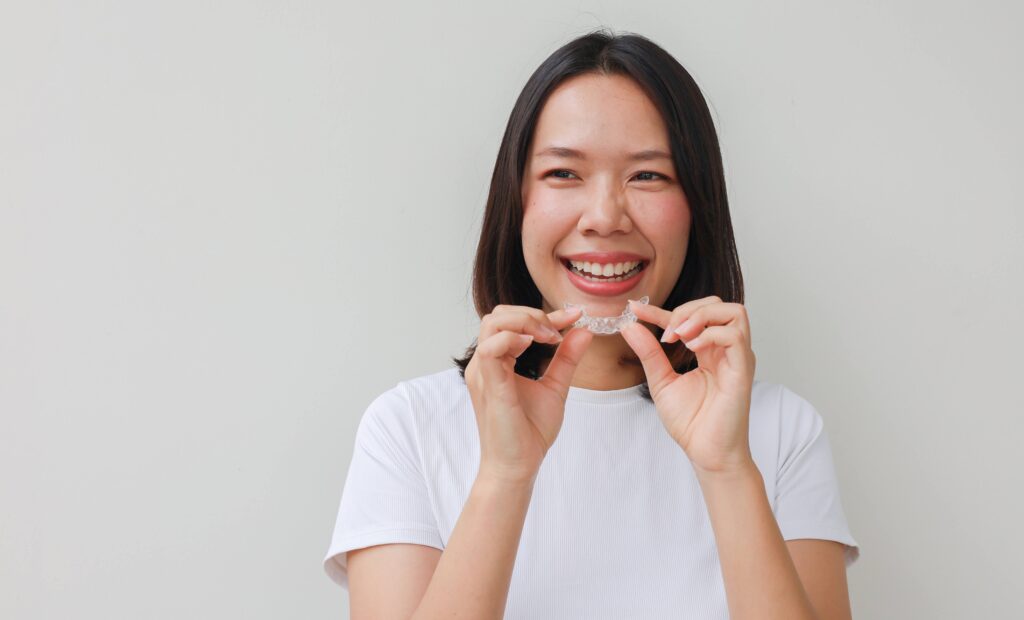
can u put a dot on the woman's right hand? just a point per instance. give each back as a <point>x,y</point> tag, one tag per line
<point>518,418</point>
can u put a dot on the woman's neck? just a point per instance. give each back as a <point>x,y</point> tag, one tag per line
<point>606,365</point>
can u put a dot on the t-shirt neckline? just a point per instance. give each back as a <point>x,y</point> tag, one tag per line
<point>623,395</point>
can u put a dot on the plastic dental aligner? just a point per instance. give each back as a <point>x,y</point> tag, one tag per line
<point>605,324</point>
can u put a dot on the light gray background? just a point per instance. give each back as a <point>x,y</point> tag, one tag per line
<point>226,227</point>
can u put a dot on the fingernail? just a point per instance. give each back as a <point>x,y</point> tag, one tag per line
<point>665,336</point>
<point>687,324</point>
<point>550,332</point>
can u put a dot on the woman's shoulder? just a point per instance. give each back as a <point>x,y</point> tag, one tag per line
<point>780,407</point>
<point>424,396</point>
<point>441,386</point>
<point>411,405</point>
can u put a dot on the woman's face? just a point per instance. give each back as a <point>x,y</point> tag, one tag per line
<point>602,201</point>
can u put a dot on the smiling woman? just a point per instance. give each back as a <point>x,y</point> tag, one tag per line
<point>620,203</point>
<point>610,153</point>
<point>679,486</point>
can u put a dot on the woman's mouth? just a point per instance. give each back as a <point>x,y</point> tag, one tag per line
<point>588,275</point>
<point>613,284</point>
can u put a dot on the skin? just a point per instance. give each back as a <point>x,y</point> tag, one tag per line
<point>603,203</point>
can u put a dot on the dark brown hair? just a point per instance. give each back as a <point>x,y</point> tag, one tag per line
<point>711,266</point>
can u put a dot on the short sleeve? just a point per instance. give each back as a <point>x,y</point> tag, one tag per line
<point>385,497</point>
<point>807,498</point>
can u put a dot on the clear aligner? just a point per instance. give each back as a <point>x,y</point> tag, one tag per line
<point>605,324</point>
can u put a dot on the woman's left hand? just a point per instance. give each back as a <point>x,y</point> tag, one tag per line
<point>706,410</point>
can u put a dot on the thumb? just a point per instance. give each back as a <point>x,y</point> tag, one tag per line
<point>656,365</point>
<point>562,366</point>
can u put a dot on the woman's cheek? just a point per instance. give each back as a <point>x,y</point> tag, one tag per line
<point>551,213</point>
<point>669,212</point>
<point>545,199</point>
<point>538,234</point>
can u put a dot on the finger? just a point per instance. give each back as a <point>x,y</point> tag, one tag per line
<point>557,319</point>
<point>567,357</point>
<point>713,314</point>
<point>524,319</point>
<point>656,365</point>
<point>497,350</point>
<point>668,319</point>
<point>682,313</point>
<point>517,320</point>
<point>726,336</point>
<point>560,319</point>
<point>504,343</point>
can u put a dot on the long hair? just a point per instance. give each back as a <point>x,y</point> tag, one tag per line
<point>711,266</point>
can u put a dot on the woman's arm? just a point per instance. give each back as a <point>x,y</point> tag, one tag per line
<point>761,580</point>
<point>473,576</point>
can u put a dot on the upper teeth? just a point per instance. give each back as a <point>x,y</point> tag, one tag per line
<point>607,269</point>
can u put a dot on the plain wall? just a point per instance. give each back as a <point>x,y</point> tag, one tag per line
<point>226,227</point>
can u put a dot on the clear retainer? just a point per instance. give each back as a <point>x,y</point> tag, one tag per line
<point>605,324</point>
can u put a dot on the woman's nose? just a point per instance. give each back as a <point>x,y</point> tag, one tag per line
<point>605,213</point>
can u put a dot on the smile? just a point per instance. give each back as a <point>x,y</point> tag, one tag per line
<point>606,273</point>
<point>586,280</point>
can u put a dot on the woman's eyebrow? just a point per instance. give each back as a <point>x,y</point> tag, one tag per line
<point>561,151</point>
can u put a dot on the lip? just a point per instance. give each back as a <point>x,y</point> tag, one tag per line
<point>605,289</point>
<point>605,257</point>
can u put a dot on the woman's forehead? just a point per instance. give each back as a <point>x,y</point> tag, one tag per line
<point>591,117</point>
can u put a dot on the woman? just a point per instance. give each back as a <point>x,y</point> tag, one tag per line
<point>559,473</point>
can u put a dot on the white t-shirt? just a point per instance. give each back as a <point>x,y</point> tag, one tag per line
<point>617,526</point>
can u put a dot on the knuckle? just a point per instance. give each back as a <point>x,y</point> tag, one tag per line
<point>487,348</point>
<point>531,314</point>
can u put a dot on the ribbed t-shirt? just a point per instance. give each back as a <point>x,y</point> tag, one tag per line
<point>617,526</point>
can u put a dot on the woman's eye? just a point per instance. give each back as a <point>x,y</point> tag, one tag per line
<point>555,172</point>
<point>654,173</point>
